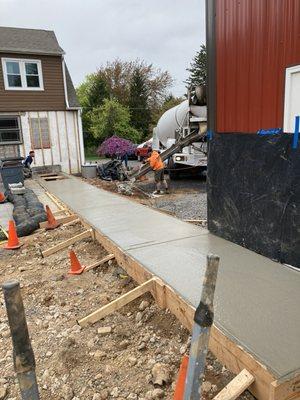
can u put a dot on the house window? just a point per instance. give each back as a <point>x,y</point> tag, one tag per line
<point>40,133</point>
<point>9,130</point>
<point>22,74</point>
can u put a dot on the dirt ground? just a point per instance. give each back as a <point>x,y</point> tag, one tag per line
<point>83,363</point>
<point>187,199</point>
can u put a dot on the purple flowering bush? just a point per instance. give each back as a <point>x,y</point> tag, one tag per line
<point>116,146</point>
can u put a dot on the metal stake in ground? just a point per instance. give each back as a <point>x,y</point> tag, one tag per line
<point>24,362</point>
<point>203,321</point>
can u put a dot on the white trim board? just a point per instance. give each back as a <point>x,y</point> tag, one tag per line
<point>291,98</point>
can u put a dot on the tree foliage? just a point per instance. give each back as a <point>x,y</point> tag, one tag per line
<point>112,119</point>
<point>198,69</point>
<point>140,114</point>
<point>134,84</point>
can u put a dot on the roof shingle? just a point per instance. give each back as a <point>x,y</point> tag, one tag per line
<point>32,41</point>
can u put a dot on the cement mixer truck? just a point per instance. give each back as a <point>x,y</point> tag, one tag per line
<point>180,135</point>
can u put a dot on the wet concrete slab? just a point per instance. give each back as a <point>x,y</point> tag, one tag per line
<point>257,300</point>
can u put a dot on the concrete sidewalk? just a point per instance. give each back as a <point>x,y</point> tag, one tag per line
<point>257,300</point>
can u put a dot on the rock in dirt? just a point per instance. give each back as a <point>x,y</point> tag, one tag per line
<point>3,393</point>
<point>138,317</point>
<point>206,386</point>
<point>157,394</point>
<point>123,344</point>
<point>160,374</point>
<point>144,304</point>
<point>104,330</point>
<point>104,394</point>
<point>132,396</point>
<point>99,354</point>
<point>67,392</point>
<point>115,392</point>
<point>132,361</point>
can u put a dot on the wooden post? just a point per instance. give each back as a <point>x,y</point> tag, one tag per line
<point>203,321</point>
<point>58,136</point>
<point>76,142</point>
<point>32,147</point>
<point>50,138</point>
<point>24,361</point>
<point>67,142</point>
<point>41,138</point>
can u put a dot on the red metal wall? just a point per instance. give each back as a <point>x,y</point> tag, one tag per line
<point>255,41</point>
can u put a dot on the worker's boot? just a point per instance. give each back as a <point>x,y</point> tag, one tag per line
<point>157,192</point>
<point>167,191</point>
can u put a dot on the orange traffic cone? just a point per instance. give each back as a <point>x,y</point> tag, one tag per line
<point>13,240</point>
<point>76,267</point>
<point>52,223</point>
<point>180,385</point>
<point>2,197</point>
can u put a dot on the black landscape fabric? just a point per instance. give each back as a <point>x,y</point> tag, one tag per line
<point>254,193</point>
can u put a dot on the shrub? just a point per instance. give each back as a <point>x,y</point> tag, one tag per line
<point>116,146</point>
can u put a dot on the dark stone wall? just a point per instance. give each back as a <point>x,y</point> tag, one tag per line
<point>254,193</point>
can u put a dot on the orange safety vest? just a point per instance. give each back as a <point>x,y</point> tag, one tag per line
<point>155,161</point>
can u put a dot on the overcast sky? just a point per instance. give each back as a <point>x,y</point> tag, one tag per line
<point>166,33</point>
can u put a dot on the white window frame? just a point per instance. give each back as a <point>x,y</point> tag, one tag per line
<point>288,87</point>
<point>22,62</point>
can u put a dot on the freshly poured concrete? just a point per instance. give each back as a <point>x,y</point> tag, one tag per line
<point>257,300</point>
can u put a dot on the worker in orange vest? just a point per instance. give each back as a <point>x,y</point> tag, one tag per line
<point>157,165</point>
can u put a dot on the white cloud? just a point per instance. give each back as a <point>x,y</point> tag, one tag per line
<point>166,33</point>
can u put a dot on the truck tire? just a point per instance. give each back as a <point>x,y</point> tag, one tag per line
<point>173,173</point>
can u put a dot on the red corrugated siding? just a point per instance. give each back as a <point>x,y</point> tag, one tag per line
<point>255,41</point>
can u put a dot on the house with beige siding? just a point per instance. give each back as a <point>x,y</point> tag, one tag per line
<point>39,109</point>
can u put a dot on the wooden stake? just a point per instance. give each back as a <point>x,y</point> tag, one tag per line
<point>236,387</point>
<point>98,263</point>
<point>66,243</point>
<point>62,220</point>
<point>117,304</point>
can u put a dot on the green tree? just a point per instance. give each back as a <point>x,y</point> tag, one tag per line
<point>91,93</point>
<point>138,103</point>
<point>198,69</point>
<point>112,119</point>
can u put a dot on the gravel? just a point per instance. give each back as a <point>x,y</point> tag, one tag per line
<point>188,206</point>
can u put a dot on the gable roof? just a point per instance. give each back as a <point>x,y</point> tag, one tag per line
<point>31,41</point>
<point>71,92</point>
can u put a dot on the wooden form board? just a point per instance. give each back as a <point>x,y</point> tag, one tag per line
<point>229,353</point>
<point>61,220</point>
<point>98,263</point>
<point>117,304</point>
<point>66,243</point>
<point>236,387</point>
